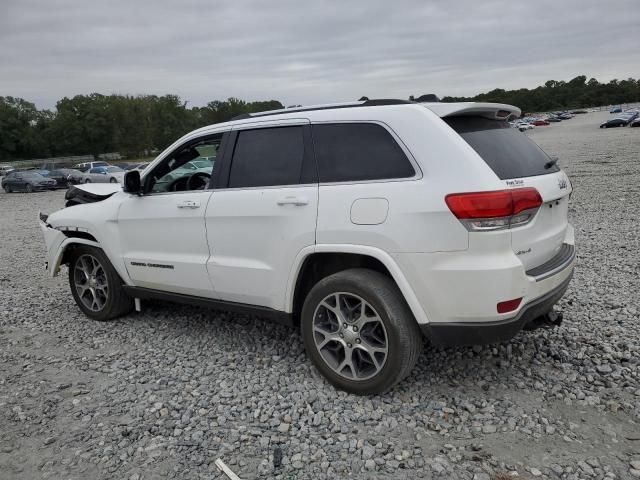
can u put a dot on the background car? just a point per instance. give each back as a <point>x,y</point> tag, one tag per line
<point>65,177</point>
<point>539,122</point>
<point>614,122</point>
<point>132,166</point>
<point>615,110</point>
<point>635,123</point>
<point>26,182</point>
<point>86,166</point>
<point>108,174</point>
<point>5,169</point>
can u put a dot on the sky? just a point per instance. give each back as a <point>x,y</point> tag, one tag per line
<point>309,52</point>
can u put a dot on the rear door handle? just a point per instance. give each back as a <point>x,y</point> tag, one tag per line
<point>297,201</point>
<point>189,204</point>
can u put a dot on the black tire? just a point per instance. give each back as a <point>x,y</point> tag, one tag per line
<point>87,181</point>
<point>404,338</point>
<point>7,188</point>
<point>28,188</point>
<point>113,180</point>
<point>117,302</point>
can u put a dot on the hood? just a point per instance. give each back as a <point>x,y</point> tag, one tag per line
<point>90,193</point>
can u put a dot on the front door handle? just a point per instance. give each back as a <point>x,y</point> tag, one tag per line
<point>189,204</point>
<point>297,201</point>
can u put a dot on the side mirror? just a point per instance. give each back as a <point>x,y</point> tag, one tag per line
<point>132,183</point>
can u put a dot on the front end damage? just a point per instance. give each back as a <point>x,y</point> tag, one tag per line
<point>90,193</point>
<point>53,240</point>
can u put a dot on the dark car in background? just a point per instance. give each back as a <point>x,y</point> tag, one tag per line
<point>65,177</point>
<point>614,122</point>
<point>132,166</point>
<point>26,182</point>
<point>622,120</point>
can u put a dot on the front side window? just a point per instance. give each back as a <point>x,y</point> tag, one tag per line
<point>358,151</point>
<point>189,168</point>
<point>267,157</point>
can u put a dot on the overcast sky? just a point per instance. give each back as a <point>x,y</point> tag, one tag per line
<point>300,51</point>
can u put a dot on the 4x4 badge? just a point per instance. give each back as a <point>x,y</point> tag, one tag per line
<point>562,183</point>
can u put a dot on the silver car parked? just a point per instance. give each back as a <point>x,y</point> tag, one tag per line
<point>108,174</point>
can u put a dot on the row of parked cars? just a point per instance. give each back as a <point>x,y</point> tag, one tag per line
<point>35,179</point>
<point>630,117</point>
<point>532,121</point>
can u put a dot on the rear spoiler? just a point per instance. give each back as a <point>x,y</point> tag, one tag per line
<point>493,111</point>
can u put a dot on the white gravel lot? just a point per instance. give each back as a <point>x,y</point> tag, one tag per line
<point>164,393</point>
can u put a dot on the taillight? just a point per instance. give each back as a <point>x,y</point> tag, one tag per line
<point>495,210</point>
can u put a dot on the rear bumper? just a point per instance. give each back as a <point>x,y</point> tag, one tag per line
<point>450,334</point>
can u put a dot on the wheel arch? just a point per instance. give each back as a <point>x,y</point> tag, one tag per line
<point>316,262</point>
<point>65,249</point>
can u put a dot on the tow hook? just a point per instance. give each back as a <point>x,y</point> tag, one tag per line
<point>548,320</point>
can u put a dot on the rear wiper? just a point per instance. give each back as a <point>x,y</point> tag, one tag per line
<point>550,163</point>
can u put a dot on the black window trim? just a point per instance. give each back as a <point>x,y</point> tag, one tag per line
<point>308,160</point>
<point>190,141</point>
<point>418,175</point>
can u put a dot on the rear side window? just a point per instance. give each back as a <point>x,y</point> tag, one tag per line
<point>267,156</point>
<point>509,152</point>
<point>358,151</point>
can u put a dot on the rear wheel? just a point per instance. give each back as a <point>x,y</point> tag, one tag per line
<point>113,180</point>
<point>7,188</point>
<point>87,181</point>
<point>28,188</point>
<point>96,286</point>
<point>359,332</point>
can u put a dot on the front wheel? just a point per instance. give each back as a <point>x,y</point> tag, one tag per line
<point>96,286</point>
<point>28,188</point>
<point>359,331</point>
<point>87,181</point>
<point>113,180</point>
<point>7,188</point>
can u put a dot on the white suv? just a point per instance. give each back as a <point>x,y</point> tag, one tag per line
<point>367,224</point>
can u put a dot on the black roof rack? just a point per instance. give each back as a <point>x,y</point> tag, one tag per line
<point>367,103</point>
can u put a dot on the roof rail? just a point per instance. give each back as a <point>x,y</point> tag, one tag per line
<point>366,103</point>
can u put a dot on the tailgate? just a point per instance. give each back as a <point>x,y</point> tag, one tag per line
<point>542,238</point>
<point>520,163</point>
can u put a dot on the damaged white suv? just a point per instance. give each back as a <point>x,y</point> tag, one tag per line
<point>367,224</point>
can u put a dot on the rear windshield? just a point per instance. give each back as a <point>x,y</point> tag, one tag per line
<point>509,152</point>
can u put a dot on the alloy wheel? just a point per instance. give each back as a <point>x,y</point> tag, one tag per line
<point>350,336</point>
<point>91,284</point>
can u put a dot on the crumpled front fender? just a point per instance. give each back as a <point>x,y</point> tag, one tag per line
<point>56,243</point>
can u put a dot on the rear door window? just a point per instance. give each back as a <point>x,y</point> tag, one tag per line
<point>267,157</point>
<point>509,152</point>
<point>358,151</point>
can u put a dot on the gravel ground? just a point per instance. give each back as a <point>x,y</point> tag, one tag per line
<point>164,393</point>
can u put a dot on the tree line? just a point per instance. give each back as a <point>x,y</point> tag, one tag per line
<point>134,126</point>
<point>94,124</point>
<point>561,95</point>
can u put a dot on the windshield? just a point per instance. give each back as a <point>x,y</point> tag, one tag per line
<point>32,175</point>
<point>509,152</point>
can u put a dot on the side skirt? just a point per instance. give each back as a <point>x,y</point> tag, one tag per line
<point>276,316</point>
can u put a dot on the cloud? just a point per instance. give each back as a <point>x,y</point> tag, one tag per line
<point>308,52</point>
